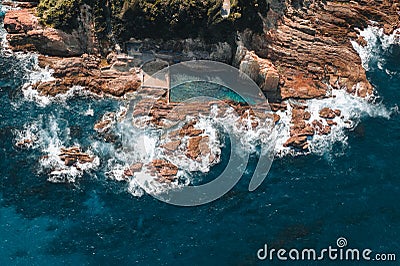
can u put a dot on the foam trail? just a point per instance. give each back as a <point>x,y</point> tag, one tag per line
<point>50,139</point>
<point>282,129</point>
<point>145,144</point>
<point>377,44</point>
<point>27,138</point>
<point>353,109</point>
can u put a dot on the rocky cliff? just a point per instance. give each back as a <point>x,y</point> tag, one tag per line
<point>27,33</point>
<point>311,45</point>
<point>303,51</point>
<point>305,45</point>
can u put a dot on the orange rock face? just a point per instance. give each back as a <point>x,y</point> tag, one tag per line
<point>25,33</point>
<point>74,155</point>
<point>165,170</point>
<point>329,113</point>
<point>310,45</point>
<point>137,167</point>
<point>85,71</point>
<point>20,21</point>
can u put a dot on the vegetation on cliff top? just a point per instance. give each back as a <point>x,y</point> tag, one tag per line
<point>156,18</point>
<point>60,14</point>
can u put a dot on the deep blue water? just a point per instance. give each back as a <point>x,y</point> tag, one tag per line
<point>306,201</point>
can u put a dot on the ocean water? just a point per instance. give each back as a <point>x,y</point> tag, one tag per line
<point>348,186</point>
<point>189,90</point>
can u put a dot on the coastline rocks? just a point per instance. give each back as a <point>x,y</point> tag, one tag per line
<point>306,46</point>
<point>189,146</point>
<point>361,41</point>
<point>26,34</point>
<point>197,146</point>
<point>301,127</point>
<point>20,21</point>
<point>189,130</point>
<point>106,122</point>
<point>164,170</point>
<point>85,71</point>
<point>136,167</point>
<point>71,156</point>
<point>304,52</point>
<point>299,142</point>
<point>262,71</point>
<point>311,45</point>
<point>328,113</point>
<point>320,128</point>
<point>172,145</point>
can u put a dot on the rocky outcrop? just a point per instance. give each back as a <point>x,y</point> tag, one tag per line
<point>164,170</point>
<point>20,4</point>
<point>328,113</point>
<point>262,71</point>
<point>71,156</point>
<point>302,128</point>
<point>136,167</point>
<point>311,45</point>
<point>194,146</point>
<point>86,71</point>
<point>305,52</point>
<point>25,33</point>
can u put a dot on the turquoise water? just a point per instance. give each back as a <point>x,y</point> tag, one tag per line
<point>190,90</point>
<point>306,201</point>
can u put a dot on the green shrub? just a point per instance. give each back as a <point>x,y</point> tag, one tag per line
<point>61,14</point>
<point>166,19</point>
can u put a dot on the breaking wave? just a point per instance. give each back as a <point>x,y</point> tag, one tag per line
<point>49,135</point>
<point>379,46</point>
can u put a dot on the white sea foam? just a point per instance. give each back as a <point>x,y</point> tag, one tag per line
<point>33,95</point>
<point>29,64</point>
<point>89,111</point>
<point>352,108</point>
<point>140,145</point>
<point>146,144</point>
<point>282,129</point>
<point>49,137</point>
<point>27,137</point>
<point>377,43</point>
